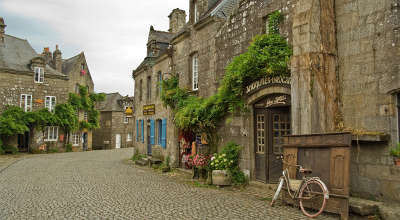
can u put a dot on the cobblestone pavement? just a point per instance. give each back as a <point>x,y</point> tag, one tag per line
<point>102,185</point>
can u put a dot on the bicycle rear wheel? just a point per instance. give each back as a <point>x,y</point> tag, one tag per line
<point>312,198</point>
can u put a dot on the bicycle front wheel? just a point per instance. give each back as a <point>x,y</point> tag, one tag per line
<point>312,198</point>
<point>278,190</point>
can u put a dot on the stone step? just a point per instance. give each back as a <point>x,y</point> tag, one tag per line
<point>363,207</point>
<point>142,162</point>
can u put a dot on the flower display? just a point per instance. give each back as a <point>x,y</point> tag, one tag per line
<point>201,160</point>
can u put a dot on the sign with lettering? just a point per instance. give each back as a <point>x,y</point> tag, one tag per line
<point>274,101</point>
<point>265,82</point>
<point>149,109</point>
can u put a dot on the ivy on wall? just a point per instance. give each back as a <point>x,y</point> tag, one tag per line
<point>15,121</point>
<point>267,55</point>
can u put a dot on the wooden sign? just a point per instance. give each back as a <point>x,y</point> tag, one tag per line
<point>39,101</point>
<point>149,109</point>
<point>274,101</point>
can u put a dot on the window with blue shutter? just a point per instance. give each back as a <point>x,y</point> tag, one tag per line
<point>137,130</point>
<point>152,130</point>
<point>142,125</point>
<point>164,133</point>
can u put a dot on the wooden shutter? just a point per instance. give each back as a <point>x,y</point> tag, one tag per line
<point>152,129</point>
<point>164,133</point>
<point>137,130</point>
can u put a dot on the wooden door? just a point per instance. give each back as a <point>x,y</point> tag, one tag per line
<point>279,126</point>
<point>117,141</point>
<point>260,144</point>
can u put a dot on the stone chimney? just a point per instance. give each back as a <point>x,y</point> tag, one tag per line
<point>177,20</point>
<point>57,60</point>
<point>2,29</point>
<point>47,55</point>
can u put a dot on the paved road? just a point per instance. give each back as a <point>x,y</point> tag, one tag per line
<point>100,185</point>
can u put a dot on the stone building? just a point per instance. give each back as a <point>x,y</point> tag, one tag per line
<point>344,77</point>
<point>35,81</point>
<point>116,123</point>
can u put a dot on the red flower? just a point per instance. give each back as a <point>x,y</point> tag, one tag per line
<point>83,72</point>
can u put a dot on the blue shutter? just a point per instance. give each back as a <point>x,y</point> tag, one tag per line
<point>152,129</point>
<point>137,130</point>
<point>164,133</point>
<point>142,122</point>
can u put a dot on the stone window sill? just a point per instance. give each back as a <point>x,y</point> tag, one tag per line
<point>371,138</point>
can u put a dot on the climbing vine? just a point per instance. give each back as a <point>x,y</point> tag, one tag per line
<point>15,121</point>
<point>267,55</point>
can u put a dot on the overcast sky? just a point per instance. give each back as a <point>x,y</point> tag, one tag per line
<point>112,34</point>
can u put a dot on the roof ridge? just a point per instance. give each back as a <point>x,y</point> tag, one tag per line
<point>17,37</point>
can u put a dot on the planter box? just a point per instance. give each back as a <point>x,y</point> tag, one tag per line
<point>221,178</point>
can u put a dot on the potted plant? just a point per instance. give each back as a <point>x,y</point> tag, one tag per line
<point>200,163</point>
<point>395,152</point>
<point>219,165</point>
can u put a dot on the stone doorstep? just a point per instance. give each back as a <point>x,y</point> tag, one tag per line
<point>365,207</point>
<point>141,162</point>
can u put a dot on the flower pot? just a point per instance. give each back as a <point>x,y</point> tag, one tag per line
<point>221,178</point>
<point>396,161</point>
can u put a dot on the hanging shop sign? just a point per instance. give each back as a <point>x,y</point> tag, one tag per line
<point>266,82</point>
<point>149,109</point>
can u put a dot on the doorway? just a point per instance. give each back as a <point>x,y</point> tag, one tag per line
<point>149,151</point>
<point>85,141</point>
<point>272,122</point>
<point>117,141</point>
<point>23,142</point>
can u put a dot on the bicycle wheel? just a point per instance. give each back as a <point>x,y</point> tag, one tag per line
<point>278,190</point>
<point>312,198</point>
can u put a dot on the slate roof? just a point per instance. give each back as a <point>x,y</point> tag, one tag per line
<point>16,54</point>
<point>68,64</point>
<point>224,8</point>
<point>111,103</point>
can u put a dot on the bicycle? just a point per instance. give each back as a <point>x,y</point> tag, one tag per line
<point>311,192</point>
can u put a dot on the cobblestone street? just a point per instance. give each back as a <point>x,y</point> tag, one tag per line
<point>102,185</point>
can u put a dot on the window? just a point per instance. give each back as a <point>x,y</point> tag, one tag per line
<point>82,66</point>
<point>50,103</point>
<point>141,90</point>
<point>126,120</point>
<point>51,133</point>
<point>85,116</point>
<point>75,139</point>
<point>39,75</point>
<point>195,12</point>
<point>159,79</point>
<point>77,88</point>
<point>26,102</point>
<point>88,89</point>
<point>149,88</point>
<point>195,73</point>
<point>129,137</point>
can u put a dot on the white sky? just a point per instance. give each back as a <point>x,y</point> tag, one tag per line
<point>112,34</point>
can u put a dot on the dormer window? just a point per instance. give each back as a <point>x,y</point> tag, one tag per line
<point>195,12</point>
<point>39,74</point>
<point>82,66</point>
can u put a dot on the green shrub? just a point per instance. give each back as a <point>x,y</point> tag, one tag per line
<point>1,148</point>
<point>68,148</point>
<point>10,149</point>
<point>395,151</point>
<point>52,150</point>
<point>137,156</point>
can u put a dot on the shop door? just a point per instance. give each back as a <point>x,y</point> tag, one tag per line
<point>270,126</point>
<point>117,141</point>
<point>260,144</point>
<point>279,126</point>
<point>148,139</point>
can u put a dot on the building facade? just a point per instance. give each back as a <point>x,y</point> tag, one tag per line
<point>116,123</point>
<point>344,77</point>
<point>35,81</point>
